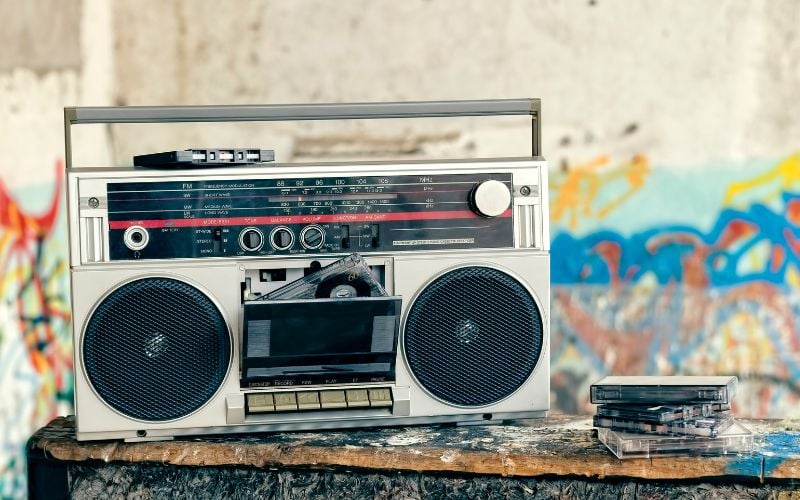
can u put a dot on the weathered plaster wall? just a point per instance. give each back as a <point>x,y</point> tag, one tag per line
<point>685,83</point>
<point>670,128</point>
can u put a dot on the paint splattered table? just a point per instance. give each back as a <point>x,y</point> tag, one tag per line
<point>559,456</point>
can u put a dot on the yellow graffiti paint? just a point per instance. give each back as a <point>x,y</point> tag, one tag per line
<point>576,193</point>
<point>784,177</point>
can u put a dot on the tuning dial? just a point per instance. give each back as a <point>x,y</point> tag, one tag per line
<point>281,238</point>
<point>490,198</point>
<point>312,237</point>
<point>251,239</point>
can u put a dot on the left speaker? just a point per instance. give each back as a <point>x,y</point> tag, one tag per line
<point>156,349</point>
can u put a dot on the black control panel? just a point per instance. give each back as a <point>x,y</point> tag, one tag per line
<point>318,215</point>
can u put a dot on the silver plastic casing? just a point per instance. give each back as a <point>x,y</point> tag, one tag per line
<point>406,274</point>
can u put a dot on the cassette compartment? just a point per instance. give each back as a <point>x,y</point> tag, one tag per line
<point>310,342</point>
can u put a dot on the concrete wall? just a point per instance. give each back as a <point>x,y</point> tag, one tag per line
<point>686,82</point>
<point>663,121</point>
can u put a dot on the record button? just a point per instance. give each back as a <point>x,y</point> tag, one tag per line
<point>380,397</point>
<point>308,400</point>
<point>332,399</point>
<point>285,401</point>
<point>357,398</point>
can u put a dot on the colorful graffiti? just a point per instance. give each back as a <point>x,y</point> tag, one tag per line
<point>35,340</point>
<point>579,190</point>
<point>664,296</point>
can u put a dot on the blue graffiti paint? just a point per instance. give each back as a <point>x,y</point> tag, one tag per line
<point>575,259</point>
<point>776,448</point>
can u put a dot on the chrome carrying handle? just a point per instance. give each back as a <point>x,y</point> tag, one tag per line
<point>297,112</point>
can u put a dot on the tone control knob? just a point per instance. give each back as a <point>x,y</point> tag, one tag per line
<point>490,198</point>
<point>312,237</point>
<point>281,238</point>
<point>251,239</point>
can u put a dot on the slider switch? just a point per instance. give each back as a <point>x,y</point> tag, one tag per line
<point>374,232</point>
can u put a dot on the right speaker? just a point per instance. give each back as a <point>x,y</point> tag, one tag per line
<point>473,336</point>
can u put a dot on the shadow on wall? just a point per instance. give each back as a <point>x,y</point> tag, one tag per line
<point>35,335</point>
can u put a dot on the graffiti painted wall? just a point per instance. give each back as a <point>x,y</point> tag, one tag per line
<point>35,335</point>
<point>661,270</point>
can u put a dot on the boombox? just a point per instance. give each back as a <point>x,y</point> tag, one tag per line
<point>227,298</point>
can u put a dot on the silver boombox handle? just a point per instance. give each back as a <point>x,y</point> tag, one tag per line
<point>296,112</point>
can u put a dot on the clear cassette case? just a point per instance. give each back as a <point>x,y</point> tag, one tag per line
<point>736,439</point>
<point>710,426</point>
<point>346,278</point>
<point>666,390</point>
<point>660,413</point>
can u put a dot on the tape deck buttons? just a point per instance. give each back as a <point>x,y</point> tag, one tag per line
<point>251,239</point>
<point>357,398</point>
<point>281,238</point>
<point>332,399</point>
<point>285,401</point>
<point>260,403</point>
<point>380,397</point>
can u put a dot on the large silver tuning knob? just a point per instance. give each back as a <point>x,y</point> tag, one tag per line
<point>490,198</point>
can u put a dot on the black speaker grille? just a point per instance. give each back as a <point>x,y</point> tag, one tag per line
<point>473,336</point>
<point>156,349</point>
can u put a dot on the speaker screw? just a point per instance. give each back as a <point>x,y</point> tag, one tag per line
<point>524,190</point>
<point>94,202</point>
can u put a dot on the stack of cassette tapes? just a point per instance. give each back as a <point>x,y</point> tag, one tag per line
<point>642,417</point>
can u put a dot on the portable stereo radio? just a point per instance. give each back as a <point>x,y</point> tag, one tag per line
<point>266,296</point>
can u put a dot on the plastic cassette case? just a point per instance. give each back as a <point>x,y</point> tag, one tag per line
<point>660,413</point>
<point>344,279</point>
<point>736,439</point>
<point>710,426</point>
<point>667,390</point>
<point>204,158</point>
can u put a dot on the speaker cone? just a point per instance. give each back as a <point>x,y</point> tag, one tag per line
<point>473,336</point>
<point>156,349</point>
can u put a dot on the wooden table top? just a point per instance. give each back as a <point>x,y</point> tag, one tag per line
<point>559,445</point>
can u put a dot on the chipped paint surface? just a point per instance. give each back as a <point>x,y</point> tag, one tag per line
<point>411,437</point>
<point>449,456</point>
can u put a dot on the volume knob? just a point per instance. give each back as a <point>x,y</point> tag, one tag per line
<point>490,198</point>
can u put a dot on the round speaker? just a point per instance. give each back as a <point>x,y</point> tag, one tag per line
<point>473,336</point>
<point>156,349</point>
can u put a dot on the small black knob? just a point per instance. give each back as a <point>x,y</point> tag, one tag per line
<point>282,238</point>
<point>312,237</point>
<point>251,239</point>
